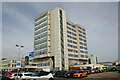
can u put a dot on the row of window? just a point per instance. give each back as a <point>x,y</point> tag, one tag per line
<point>71,29</point>
<point>81,28</point>
<point>41,22</point>
<point>71,50</point>
<point>84,56</point>
<point>43,30</point>
<point>81,51</point>
<point>72,46</point>
<point>81,32</point>
<point>72,55</point>
<point>71,37</point>
<point>71,33</point>
<point>73,59</point>
<point>41,53</point>
<point>41,36</point>
<point>41,26</point>
<point>41,41</point>
<point>70,24</point>
<point>82,36</point>
<point>72,41</point>
<point>41,17</point>
<point>83,44</point>
<point>41,47</point>
<point>81,47</point>
<point>45,64</point>
<point>82,39</point>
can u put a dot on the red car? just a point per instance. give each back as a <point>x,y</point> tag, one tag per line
<point>8,73</point>
<point>96,71</point>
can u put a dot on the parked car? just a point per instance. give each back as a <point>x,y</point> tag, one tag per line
<point>60,73</point>
<point>105,69</point>
<point>8,73</point>
<point>87,70</point>
<point>12,75</point>
<point>92,71</point>
<point>69,74</point>
<point>96,70</point>
<point>22,75</point>
<point>114,69</point>
<point>80,74</point>
<point>42,74</point>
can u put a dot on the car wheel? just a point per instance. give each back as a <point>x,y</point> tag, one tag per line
<point>81,76</point>
<point>51,79</point>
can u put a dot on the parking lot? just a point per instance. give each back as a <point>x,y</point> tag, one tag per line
<point>99,76</point>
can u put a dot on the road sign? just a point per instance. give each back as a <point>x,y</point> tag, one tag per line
<point>18,64</point>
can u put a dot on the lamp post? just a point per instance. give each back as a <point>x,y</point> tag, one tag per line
<point>19,46</point>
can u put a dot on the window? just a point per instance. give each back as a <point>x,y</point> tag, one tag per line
<point>71,37</point>
<point>41,17</point>
<point>83,33</point>
<point>83,29</point>
<point>72,55</point>
<point>86,52</point>
<point>79,31</point>
<point>79,27</point>
<point>70,24</point>
<point>80,35</point>
<point>85,48</point>
<point>84,37</point>
<point>72,46</point>
<point>81,39</point>
<point>41,31</point>
<point>72,41</point>
<point>41,36</point>
<point>85,44</point>
<point>81,47</point>
<point>41,22</point>
<point>71,50</point>
<point>81,51</point>
<point>41,26</point>
<point>41,53</point>
<point>81,43</point>
<point>82,56</point>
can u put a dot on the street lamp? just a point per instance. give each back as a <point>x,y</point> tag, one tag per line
<point>19,46</point>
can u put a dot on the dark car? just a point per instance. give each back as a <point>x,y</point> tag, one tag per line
<point>40,73</point>
<point>114,69</point>
<point>5,78</point>
<point>70,74</point>
<point>105,69</point>
<point>87,70</point>
<point>60,73</point>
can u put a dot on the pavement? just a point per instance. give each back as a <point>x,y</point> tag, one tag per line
<point>98,76</point>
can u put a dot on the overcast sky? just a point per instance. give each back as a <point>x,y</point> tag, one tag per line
<point>99,19</point>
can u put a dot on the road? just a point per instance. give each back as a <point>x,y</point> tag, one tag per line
<point>97,76</point>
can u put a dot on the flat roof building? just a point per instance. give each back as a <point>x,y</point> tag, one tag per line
<point>58,43</point>
<point>9,64</point>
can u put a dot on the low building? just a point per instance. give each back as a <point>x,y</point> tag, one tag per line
<point>93,59</point>
<point>9,64</point>
<point>85,66</point>
<point>106,63</point>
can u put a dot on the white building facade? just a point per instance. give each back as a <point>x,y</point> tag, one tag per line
<point>58,43</point>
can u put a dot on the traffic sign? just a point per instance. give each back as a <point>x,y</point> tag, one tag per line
<point>18,64</point>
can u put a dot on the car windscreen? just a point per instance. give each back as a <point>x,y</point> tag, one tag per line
<point>9,74</point>
<point>43,73</point>
<point>18,74</point>
<point>28,74</point>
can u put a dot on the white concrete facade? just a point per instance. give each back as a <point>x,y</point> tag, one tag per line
<point>54,52</point>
